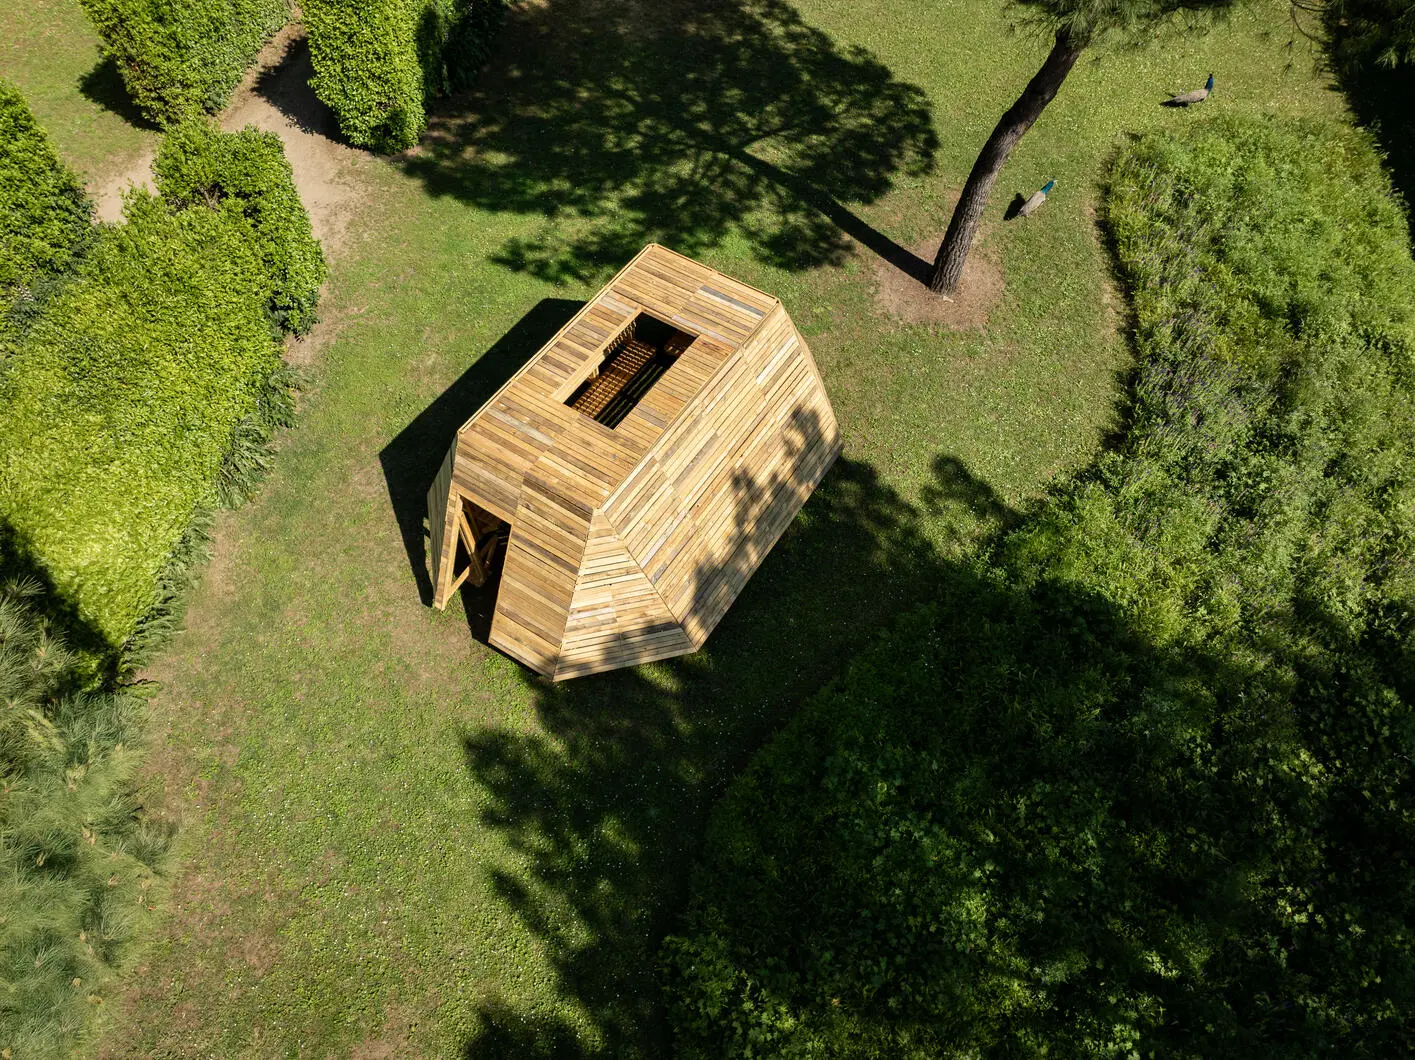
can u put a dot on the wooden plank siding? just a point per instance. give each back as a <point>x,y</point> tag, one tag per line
<point>705,505</point>
<point>628,544</point>
<point>442,535</point>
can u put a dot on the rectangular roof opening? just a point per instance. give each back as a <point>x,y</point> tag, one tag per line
<point>632,364</point>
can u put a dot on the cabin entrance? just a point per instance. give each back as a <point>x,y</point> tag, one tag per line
<point>481,543</point>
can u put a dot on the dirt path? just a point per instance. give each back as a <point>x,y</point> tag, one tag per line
<point>275,97</point>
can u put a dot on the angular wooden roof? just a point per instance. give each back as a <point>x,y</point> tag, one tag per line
<point>628,543</point>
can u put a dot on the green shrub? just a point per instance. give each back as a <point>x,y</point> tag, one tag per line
<point>44,213</point>
<point>246,171</point>
<point>1141,785</point>
<point>378,63</point>
<point>125,399</point>
<point>180,57</point>
<point>78,863</point>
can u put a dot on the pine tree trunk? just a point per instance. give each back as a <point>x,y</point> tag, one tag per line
<point>1041,90</point>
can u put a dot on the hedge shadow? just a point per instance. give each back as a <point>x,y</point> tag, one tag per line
<point>103,86</point>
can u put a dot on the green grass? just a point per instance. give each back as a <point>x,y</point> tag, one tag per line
<point>49,49</point>
<point>393,834</point>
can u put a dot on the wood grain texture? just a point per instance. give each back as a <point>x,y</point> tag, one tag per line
<point>440,513</point>
<point>628,544</point>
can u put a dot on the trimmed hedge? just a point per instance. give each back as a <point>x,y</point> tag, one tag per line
<point>180,57</point>
<point>247,172</point>
<point>44,213</point>
<point>1142,784</point>
<point>377,63</point>
<point>124,400</point>
<point>78,863</point>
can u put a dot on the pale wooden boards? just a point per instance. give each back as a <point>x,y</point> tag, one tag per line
<point>629,544</point>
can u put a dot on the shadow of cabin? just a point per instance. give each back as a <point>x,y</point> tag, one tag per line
<point>411,459</point>
<point>610,470</point>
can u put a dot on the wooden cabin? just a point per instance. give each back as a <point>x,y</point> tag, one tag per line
<point>635,473</point>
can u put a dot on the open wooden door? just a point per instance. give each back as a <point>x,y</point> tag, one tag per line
<point>441,512</point>
<point>481,536</point>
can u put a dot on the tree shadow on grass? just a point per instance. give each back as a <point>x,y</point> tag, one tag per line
<point>1382,99</point>
<point>103,86</point>
<point>608,806</point>
<point>410,461</point>
<point>1384,102</point>
<point>687,124</point>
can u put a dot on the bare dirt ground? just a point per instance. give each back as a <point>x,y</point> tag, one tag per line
<point>275,97</point>
<point>904,298</point>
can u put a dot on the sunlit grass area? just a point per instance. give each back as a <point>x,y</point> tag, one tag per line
<point>394,836</point>
<point>51,52</point>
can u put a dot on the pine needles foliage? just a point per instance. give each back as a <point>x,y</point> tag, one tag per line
<point>182,57</point>
<point>1139,783</point>
<point>79,865</point>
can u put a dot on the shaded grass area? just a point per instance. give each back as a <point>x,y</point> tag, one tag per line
<point>395,839</point>
<point>1383,101</point>
<point>1065,809</point>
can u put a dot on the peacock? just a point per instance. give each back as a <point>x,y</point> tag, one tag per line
<point>1197,96</point>
<point>1038,197</point>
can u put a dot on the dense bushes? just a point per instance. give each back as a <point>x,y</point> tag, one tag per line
<point>122,403</point>
<point>140,395</point>
<point>145,391</point>
<point>180,57</point>
<point>78,863</point>
<point>1142,784</point>
<point>377,63</point>
<point>44,213</point>
<point>247,172</point>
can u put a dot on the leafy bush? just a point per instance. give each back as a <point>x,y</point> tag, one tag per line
<point>125,399</point>
<point>139,396</point>
<point>1142,784</point>
<point>180,57</point>
<point>44,213</point>
<point>246,171</point>
<point>79,862</point>
<point>378,63</point>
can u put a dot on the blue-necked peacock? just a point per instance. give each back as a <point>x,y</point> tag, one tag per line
<point>1197,96</point>
<point>1037,198</point>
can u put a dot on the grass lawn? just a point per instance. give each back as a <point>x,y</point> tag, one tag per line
<point>49,49</point>
<point>396,840</point>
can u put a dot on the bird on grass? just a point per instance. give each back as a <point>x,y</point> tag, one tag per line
<point>1037,198</point>
<point>1197,96</point>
